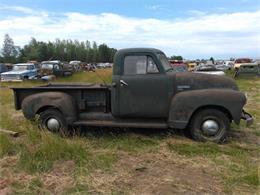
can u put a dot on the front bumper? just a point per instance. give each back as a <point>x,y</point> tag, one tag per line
<point>248,118</point>
<point>11,80</point>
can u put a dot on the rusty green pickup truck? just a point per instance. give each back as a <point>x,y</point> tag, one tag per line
<point>145,93</point>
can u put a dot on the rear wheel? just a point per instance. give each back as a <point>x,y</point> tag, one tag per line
<point>209,125</point>
<point>53,120</point>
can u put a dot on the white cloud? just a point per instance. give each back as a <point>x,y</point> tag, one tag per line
<point>232,34</point>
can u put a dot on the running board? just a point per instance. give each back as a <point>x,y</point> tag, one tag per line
<point>155,124</point>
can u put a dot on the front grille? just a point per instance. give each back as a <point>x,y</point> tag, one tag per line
<point>10,77</point>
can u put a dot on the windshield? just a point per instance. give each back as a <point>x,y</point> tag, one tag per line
<point>47,66</point>
<point>165,63</point>
<point>20,67</point>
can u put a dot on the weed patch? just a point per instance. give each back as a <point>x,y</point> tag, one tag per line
<point>6,145</point>
<point>126,142</point>
<point>51,149</point>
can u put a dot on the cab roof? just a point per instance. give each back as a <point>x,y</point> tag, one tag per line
<point>138,50</point>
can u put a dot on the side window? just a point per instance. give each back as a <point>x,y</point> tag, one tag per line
<point>151,66</point>
<point>139,65</point>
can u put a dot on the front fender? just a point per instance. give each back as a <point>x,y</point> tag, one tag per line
<point>32,104</point>
<point>184,104</point>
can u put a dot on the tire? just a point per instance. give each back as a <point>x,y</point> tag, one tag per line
<point>55,116</point>
<point>209,125</point>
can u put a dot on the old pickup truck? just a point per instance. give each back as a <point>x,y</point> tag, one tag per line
<point>145,93</point>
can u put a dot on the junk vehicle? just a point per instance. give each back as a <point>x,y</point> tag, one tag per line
<point>51,69</point>
<point>76,65</point>
<point>241,61</point>
<point>208,69</point>
<point>178,65</point>
<point>20,72</point>
<point>145,93</point>
<point>192,65</point>
<point>252,69</point>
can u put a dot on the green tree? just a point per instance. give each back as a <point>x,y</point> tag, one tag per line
<point>176,58</point>
<point>64,50</point>
<point>212,59</point>
<point>95,52</point>
<point>10,51</point>
<point>104,53</point>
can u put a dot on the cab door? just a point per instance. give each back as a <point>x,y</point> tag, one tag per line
<point>142,89</point>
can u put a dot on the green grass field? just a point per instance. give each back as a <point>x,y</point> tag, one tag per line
<point>125,161</point>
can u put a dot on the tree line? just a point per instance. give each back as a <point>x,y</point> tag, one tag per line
<point>64,50</point>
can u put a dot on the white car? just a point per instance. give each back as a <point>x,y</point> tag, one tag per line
<point>208,69</point>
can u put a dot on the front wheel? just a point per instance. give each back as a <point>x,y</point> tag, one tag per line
<point>53,120</point>
<point>209,125</point>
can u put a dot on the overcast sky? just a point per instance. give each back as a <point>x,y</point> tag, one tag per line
<point>191,28</point>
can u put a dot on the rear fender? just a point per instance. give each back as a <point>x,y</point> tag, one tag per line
<point>36,103</point>
<point>185,104</point>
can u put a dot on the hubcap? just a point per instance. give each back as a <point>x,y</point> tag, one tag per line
<point>210,127</point>
<point>53,124</point>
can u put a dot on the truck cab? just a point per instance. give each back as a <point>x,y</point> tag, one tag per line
<point>139,81</point>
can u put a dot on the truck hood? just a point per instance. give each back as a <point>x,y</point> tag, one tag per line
<point>16,72</point>
<point>193,81</point>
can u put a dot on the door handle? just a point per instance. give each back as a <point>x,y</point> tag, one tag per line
<point>122,82</point>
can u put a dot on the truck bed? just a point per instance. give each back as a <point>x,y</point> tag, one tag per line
<point>92,96</point>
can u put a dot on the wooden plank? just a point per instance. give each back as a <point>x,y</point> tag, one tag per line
<point>12,133</point>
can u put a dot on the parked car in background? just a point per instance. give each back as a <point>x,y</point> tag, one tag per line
<point>88,67</point>
<point>229,64</point>
<point>257,61</point>
<point>248,69</point>
<point>238,62</point>
<point>104,65</point>
<point>76,65</point>
<point>20,72</point>
<point>208,69</point>
<point>178,66</point>
<point>52,69</point>
<point>192,65</point>
<point>222,67</point>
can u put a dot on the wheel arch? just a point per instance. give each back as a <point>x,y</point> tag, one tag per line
<point>39,102</point>
<point>185,104</point>
<point>216,107</point>
<point>43,108</point>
